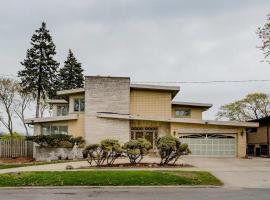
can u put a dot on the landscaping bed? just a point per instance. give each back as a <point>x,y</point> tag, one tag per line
<point>138,165</point>
<point>109,178</point>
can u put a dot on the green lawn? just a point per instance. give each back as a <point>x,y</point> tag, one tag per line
<point>108,178</point>
<point>15,165</point>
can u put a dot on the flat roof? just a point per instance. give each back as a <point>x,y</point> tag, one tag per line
<point>176,120</point>
<point>192,104</point>
<point>173,89</point>
<point>51,119</point>
<point>57,101</point>
<point>72,91</point>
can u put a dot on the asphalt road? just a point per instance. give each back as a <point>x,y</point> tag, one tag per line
<point>135,194</point>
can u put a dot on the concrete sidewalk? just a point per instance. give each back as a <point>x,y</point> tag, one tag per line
<point>79,164</point>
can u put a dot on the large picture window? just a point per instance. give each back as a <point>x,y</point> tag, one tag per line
<point>79,105</point>
<point>52,130</point>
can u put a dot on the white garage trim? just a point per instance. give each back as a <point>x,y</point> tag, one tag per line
<point>205,144</point>
<point>206,130</point>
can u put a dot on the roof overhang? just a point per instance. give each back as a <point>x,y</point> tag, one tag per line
<point>176,120</point>
<point>51,119</point>
<point>205,106</point>
<point>173,89</point>
<point>69,92</point>
<point>57,101</point>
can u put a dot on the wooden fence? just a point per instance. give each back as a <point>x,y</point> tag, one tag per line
<point>14,148</point>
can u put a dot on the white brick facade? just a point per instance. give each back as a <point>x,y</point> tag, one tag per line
<point>105,94</point>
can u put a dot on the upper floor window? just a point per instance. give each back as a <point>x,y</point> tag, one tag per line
<point>51,130</point>
<point>62,110</point>
<point>182,113</point>
<point>79,105</point>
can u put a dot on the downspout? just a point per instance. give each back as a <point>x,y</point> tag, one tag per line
<point>247,154</point>
<point>268,153</point>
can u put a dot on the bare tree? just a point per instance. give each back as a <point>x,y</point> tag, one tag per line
<point>21,105</point>
<point>8,88</point>
<point>264,34</point>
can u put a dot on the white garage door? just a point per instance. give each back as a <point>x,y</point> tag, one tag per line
<point>210,144</point>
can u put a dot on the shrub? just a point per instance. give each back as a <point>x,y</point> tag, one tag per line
<point>170,149</point>
<point>57,140</point>
<point>108,150</point>
<point>136,149</point>
<point>8,136</point>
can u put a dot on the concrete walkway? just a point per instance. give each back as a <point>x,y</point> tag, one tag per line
<point>79,164</point>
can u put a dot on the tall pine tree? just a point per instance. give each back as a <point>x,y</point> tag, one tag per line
<point>39,75</point>
<point>71,75</point>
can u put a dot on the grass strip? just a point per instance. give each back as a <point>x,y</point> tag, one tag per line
<point>109,178</point>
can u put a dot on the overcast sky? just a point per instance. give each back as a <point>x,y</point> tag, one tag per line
<point>148,40</point>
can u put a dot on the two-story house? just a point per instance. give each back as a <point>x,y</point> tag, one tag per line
<point>113,107</point>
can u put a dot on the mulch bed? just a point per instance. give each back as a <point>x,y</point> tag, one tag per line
<point>139,165</point>
<point>18,160</point>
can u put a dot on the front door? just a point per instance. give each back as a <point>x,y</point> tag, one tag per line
<point>149,133</point>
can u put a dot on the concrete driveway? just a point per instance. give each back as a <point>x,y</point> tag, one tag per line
<point>234,172</point>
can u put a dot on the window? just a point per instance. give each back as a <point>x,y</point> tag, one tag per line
<point>79,105</point>
<point>62,110</point>
<point>182,113</point>
<point>51,130</point>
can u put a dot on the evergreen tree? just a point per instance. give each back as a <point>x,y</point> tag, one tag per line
<point>71,75</point>
<point>39,75</point>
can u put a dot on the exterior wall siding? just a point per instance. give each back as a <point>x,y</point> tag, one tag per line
<point>105,94</point>
<point>76,128</point>
<point>258,137</point>
<point>150,103</point>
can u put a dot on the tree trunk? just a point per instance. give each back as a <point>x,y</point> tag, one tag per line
<point>38,104</point>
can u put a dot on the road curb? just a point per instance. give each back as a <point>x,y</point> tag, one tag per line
<point>102,187</point>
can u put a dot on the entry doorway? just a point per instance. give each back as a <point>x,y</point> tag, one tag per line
<point>149,133</point>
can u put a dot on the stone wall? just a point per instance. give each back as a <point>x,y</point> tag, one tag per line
<point>49,154</point>
<point>106,94</point>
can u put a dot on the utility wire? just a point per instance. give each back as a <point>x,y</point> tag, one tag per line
<point>207,82</point>
<point>178,82</point>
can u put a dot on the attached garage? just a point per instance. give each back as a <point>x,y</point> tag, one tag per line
<point>210,144</point>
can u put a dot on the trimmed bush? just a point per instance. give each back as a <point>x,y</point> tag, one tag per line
<point>136,149</point>
<point>57,140</point>
<point>107,151</point>
<point>170,149</point>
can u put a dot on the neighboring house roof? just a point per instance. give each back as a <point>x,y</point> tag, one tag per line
<point>192,104</point>
<point>173,89</point>
<point>57,101</point>
<point>179,120</point>
<point>51,119</point>
<point>261,120</point>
